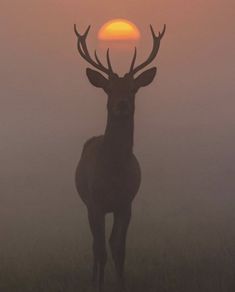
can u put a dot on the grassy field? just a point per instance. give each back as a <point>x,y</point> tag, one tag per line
<point>148,271</point>
<point>173,246</point>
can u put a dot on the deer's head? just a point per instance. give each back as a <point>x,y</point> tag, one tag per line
<point>120,90</point>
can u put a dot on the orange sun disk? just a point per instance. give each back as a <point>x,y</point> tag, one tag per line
<point>118,29</point>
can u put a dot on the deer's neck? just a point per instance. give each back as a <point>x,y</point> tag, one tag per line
<point>118,138</point>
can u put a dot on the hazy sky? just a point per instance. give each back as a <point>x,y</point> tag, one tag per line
<point>184,130</point>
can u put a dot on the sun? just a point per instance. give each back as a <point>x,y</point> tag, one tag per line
<point>118,29</point>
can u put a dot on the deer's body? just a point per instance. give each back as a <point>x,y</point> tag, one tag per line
<point>108,184</point>
<point>108,174</point>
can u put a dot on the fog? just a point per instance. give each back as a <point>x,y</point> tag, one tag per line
<point>184,130</point>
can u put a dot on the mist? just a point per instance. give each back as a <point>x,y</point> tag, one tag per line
<point>184,139</point>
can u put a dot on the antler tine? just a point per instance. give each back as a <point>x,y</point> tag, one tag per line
<point>153,54</point>
<point>161,33</point>
<point>82,39</point>
<point>133,61</point>
<point>152,31</point>
<point>85,33</point>
<point>99,62</point>
<point>76,31</point>
<point>108,61</point>
<point>97,59</point>
<point>83,50</point>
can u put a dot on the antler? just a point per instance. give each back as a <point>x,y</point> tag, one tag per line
<point>153,54</point>
<point>82,48</point>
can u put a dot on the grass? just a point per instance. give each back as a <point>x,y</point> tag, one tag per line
<point>146,271</point>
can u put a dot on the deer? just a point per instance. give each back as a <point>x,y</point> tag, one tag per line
<point>108,174</point>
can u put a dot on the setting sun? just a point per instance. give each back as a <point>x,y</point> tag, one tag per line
<point>119,29</point>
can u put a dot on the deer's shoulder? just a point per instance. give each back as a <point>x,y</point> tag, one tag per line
<point>93,142</point>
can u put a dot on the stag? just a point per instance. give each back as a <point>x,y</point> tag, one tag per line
<point>108,175</point>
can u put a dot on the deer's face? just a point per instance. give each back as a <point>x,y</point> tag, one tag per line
<point>121,90</point>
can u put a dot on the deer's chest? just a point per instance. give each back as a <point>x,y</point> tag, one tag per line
<point>115,184</point>
<point>111,178</point>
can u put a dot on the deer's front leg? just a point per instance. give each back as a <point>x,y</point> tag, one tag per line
<point>118,242</point>
<point>97,224</point>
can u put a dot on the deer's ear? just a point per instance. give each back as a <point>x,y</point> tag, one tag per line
<point>96,78</point>
<point>145,78</point>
